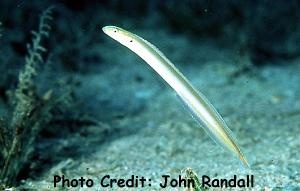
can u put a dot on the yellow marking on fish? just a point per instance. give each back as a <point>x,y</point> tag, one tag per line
<point>201,108</point>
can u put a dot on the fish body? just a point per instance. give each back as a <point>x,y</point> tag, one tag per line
<point>197,103</point>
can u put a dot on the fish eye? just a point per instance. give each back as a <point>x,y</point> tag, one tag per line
<point>115,31</point>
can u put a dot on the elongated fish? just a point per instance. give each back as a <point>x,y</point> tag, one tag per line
<point>199,105</point>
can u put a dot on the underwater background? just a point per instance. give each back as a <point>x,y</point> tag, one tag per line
<point>74,102</point>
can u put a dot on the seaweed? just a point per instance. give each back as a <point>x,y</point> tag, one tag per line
<point>190,174</point>
<point>30,110</point>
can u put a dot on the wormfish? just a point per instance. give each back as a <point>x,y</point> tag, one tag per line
<point>197,103</point>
